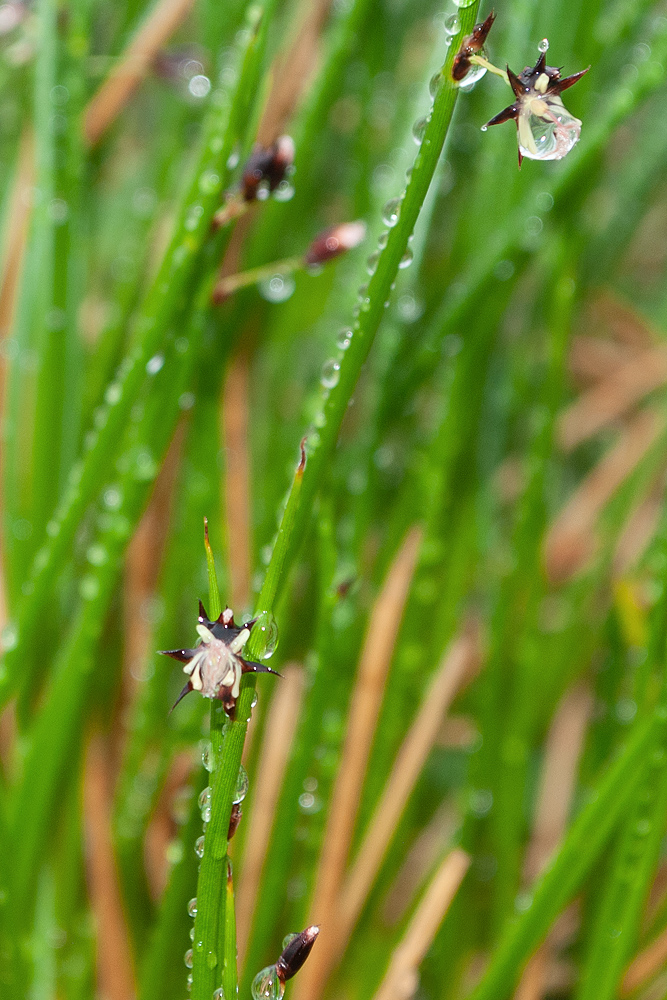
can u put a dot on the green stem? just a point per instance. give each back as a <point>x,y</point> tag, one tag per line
<point>162,305</point>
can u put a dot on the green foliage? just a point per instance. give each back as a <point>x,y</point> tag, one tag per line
<point>419,380</point>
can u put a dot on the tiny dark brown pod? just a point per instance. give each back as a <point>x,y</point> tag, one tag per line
<point>296,953</point>
<point>234,820</point>
<point>335,241</point>
<point>267,164</point>
<point>471,45</point>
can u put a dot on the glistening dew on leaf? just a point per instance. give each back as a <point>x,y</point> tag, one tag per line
<point>214,666</point>
<point>545,128</point>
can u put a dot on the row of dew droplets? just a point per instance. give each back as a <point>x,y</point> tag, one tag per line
<point>204,803</point>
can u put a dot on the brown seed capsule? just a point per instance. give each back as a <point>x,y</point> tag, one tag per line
<point>296,953</point>
<point>471,45</point>
<point>234,820</point>
<point>335,241</point>
<point>267,166</point>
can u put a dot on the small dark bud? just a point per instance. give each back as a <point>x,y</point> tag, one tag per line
<point>296,953</point>
<point>234,820</point>
<point>471,45</point>
<point>335,241</point>
<point>267,165</point>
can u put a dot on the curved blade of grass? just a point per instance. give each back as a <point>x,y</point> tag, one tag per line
<point>302,493</point>
<point>579,852</point>
<point>628,882</point>
<point>160,309</point>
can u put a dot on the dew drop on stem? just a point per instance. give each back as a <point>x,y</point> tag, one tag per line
<point>419,129</point>
<point>265,635</point>
<point>192,907</point>
<point>241,787</point>
<point>188,958</point>
<point>199,847</point>
<point>266,985</point>
<point>391,211</point>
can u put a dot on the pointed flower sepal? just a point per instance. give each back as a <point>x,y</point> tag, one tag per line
<point>545,128</point>
<point>214,666</point>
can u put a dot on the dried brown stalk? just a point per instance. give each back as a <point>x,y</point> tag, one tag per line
<point>592,359</point>
<point>570,540</point>
<point>133,66</point>
<point>428,846</point>
<point>16,232</point>
<point>554,802</point>
<point>646,965</point>
<point>365,703</point>
<point>622,322</point>
<point>640,527</point>
<point>613,397</point>
<point>402,977</point>
<point>115,973</point>
<point>459,664</point>
<point>162,828</point>
<point>293,70</point>
<point>273,759</point>
<point>237,478</point>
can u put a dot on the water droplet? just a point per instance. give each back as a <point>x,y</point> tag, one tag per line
<point>544,45</point>
<point>10,636</point>
<point>330,373</point>
<point>192,908</point>
<point>188,958</point>
<point>112,498</point>
<point>97,555</point>
<point>278,288</point>
<point>193,216</point>
<point>265,635</point>
<point>209,182</point>
<point>113,393</point>
<point>406,259</point>
<point>419,128</point>
<point>474,74</point>
<point>484,128</point>
<point>309,803</point>
<point>145,466</point>
<point>199,847</point>
<point>254,700</point>
<point>452,24</point>
<point>435,83</point>
<point>154,364</point>
<point>219,994</point>
<point>57,211</point>
<point>192,933</point>
<point>241,787</point>
<point>189,979</point>
<point>199,947</point>
<point>199,86</point>
<point>89,587</point>
<point>462,4</point>
<point>382,239</point>
<point>207,757</point>
<point>211,959</point>
<point>284,191</point>
<point>288,940</point>
<point>343,339</point>
<point>372,262</point>
<point>266,985</point>
<point>204,800</point>
<point>391,211</point>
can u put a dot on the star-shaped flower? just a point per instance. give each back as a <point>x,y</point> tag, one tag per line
<point>545,128</point>
<point>214,666</point>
